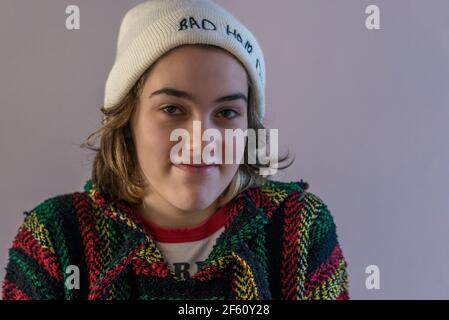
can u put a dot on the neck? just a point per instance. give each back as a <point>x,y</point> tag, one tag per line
<point>161,213</point>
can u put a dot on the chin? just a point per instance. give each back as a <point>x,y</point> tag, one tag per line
<point>192,202</point>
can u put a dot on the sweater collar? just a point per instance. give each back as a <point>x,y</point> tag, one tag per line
<point>231,253</point>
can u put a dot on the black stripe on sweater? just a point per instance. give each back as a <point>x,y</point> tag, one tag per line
<point>72,235</point>
<point>21,270</point>
<point>322,250</point>
<point>149,287</point>
<point>274,236</point>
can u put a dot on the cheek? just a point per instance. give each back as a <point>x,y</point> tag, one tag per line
<point>235,145</point>
<point>230,170</point>
<point>153,146</point>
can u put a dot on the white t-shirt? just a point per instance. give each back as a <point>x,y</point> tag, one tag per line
<point>185,248</point>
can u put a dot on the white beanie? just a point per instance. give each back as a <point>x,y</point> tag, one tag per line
<point>154,27</point>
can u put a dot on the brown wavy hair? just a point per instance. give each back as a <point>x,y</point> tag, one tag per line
<point>115,168</point>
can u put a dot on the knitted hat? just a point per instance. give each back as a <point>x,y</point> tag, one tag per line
<point>154,27</point>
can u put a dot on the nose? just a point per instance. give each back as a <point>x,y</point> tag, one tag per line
<point>212,141</point>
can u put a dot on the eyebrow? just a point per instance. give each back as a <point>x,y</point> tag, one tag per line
<point>188,96</point>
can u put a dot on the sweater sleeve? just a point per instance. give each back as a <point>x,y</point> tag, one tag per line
<point>33,271</point>
<point>327,277</point>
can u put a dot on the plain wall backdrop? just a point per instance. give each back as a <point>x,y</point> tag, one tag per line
<point>365,112</point>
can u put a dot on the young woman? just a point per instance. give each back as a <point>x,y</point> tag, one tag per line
<point>148,227</point>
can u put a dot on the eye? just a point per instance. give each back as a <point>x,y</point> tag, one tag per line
<point>228,113</point>
<point>170,109</point>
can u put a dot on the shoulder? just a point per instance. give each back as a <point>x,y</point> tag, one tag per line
<point>46,242</point>
<point>56,225</point>
<point>51,207</point>
<point>274,193</point>
<point>55,207</point>
<point>55,218</point>
<point>61,205</point>
<point>289,194</point>
<point>294,203</point>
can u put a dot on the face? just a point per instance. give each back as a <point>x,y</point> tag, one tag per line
<point>204,76</point>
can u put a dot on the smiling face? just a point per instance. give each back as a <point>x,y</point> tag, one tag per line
<point>189,83</point>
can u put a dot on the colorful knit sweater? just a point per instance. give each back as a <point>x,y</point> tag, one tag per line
<point>279,242</point>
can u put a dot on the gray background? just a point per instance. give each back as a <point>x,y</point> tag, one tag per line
<point>365,112</point>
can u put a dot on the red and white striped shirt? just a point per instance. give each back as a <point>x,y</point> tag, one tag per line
<point>185,248</point>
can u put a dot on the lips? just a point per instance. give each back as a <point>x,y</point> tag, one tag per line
<point>198,168</point>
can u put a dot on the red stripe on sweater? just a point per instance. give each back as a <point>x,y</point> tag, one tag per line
<point>324,272</point>
<point>344,295</point>
<point>91,240</point>
<point>328,268</point>
<point>26,241</point>
<point>12,292</point>
<point>104,285</point>
<point>143,267</point>
<point>290,257</point>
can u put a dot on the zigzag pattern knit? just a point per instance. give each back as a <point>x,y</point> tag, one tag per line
<point>279,242</point>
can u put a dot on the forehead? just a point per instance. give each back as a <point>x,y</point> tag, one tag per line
<point>194,66</point>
